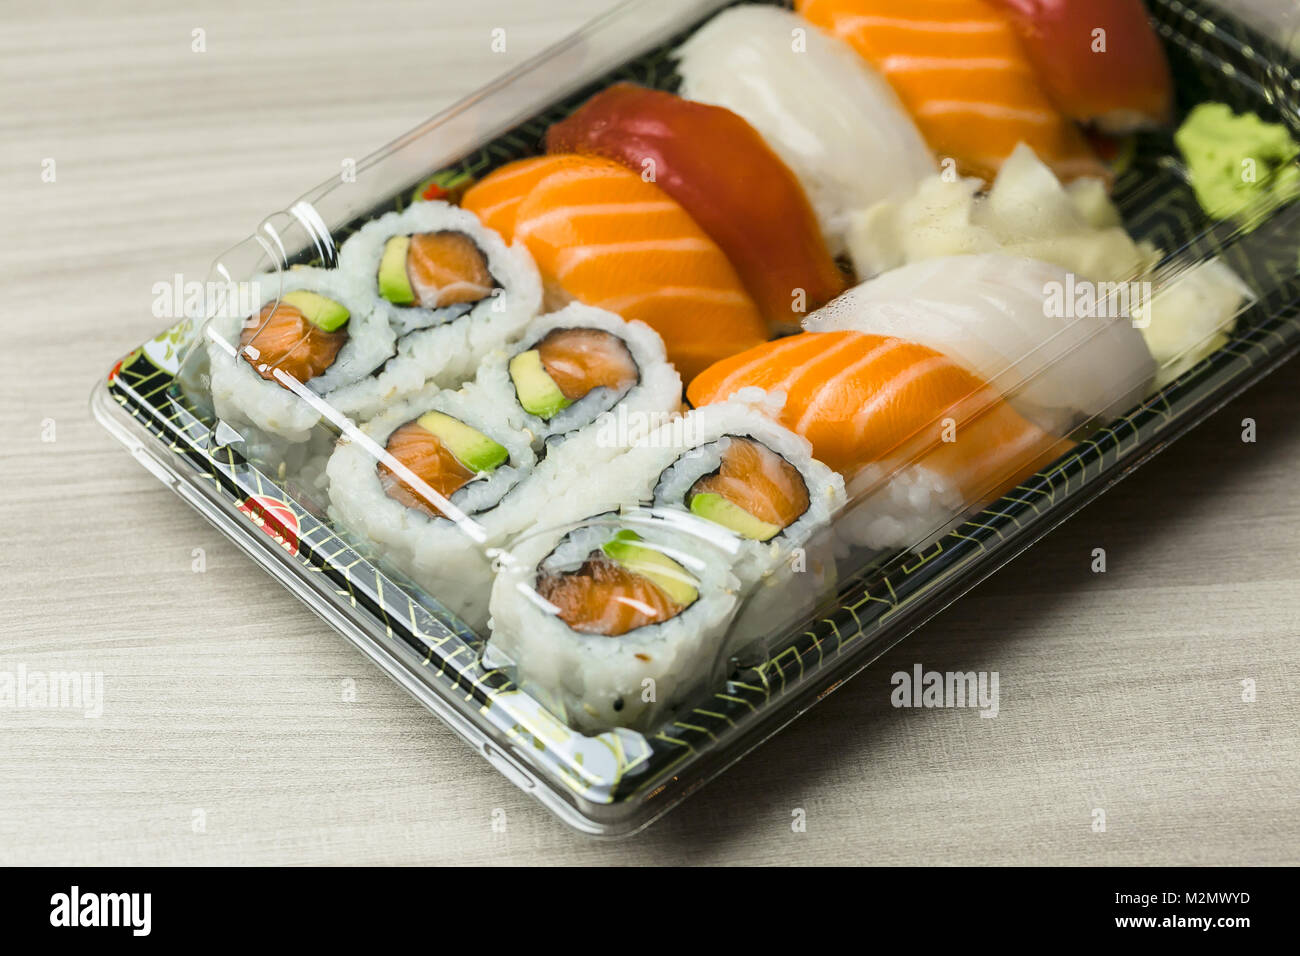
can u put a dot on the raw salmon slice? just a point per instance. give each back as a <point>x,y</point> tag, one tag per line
<point>865,399</point>
<point>495,199</point>
<point>579,360</point>
<point>603,236</point>
<point>757,479</point>
<point>281,337</point>
<point>604,597</point>
<point>424,454</point>
<point>447,268</point>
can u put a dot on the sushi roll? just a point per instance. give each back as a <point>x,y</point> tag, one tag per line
<point>453,291</point>
<point>613,622</point>
<point>732,471</point>
<point>575,377</point>
<point>733,466</point>
<point>427,486</point>
<point>990,312</point>
<point>313,334</point>
<point>829,116</point>
<point>759,481</point>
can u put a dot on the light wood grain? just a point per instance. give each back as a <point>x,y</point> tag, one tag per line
<point>1119,690</point>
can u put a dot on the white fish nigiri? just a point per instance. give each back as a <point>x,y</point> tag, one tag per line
<point>831,118</point>
<point>1015,322</point>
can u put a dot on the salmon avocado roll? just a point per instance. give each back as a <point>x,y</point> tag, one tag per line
<point>434,271</point>
<point>753,491</point>
<point>613,622</point>
<point>734,468</point>
<point>566,365</point>
<point>742,473</point>
<point>428,487</point>
<point>571,368</point>
<point>732,475</point>
<point>433,263</point>
<point>311,331</point>
<point>453,292</point>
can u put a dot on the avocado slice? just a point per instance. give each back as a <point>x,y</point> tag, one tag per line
<point>394,283</point>
<point>471,447</point>
<point>537,391</point>
<point>676,582</point>
<point>730,515</point>
<point>326,314</point>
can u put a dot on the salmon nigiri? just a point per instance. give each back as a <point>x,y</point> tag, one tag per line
<point>602,235</point>
<point>917,437</point>
<point>960,69</point>
<point>722,172</point>
<point>1100,60</point>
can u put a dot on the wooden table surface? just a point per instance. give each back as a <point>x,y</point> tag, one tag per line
<point>1120,691</point>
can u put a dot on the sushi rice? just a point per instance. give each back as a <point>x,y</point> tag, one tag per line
<point>899,506</point>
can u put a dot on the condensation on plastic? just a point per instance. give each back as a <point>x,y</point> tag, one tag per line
<point>521,730</point>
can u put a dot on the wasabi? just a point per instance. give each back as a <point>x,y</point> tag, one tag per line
<point>1239,165</point>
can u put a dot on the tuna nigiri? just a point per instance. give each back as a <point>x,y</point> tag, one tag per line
<point>960,70</point>
<point>602,235</point>
<point>1099,60</point>
<point>718,167</point>
<point>917,437</point>
<point>831,118</point>
<point>1016,323</point>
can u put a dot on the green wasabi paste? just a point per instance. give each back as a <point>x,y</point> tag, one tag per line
<point>1239,165</point>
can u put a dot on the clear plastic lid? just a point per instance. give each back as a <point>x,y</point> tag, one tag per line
<point>619,545</point>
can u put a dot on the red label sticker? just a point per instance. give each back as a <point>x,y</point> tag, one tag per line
<point>275,517</point>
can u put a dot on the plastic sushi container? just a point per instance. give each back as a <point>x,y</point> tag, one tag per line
<point>495,492</point>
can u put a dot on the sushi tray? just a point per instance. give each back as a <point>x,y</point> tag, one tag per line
<point>627,408</point>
